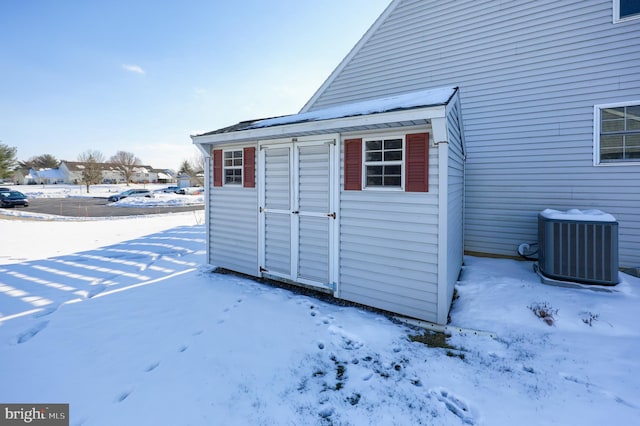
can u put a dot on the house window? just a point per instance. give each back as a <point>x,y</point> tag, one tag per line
<point>233,167</point>
<point>618,133</point>
<point>383,161</point>
<point>625,9</point>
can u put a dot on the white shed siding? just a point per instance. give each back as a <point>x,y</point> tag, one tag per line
<point>530,74</point>
<point>455,199</point>
<point>388,247</point>
<point>233,225</point>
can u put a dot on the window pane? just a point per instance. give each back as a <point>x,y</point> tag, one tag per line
<point>633,118</point>
<point>393,170</point>
<point>611,147</point>
<point>228,154</point>
<point>373,145</point>
<point>237,162</point>
<point>612,113</point>
<point>393,144</point>
<point>632,147</point>
<point>374,156</point>
<point>612,120</point>
<point>374,170</point>
<point>393,156</point>
<point>392,181</point>
<point>616,125</point>
<point>629,8</point>
<point>374,180</point>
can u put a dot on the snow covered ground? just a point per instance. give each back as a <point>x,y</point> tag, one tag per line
<point>121,319</point>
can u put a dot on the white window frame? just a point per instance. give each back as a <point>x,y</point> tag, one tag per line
<point>366,163</point>
<point>232,167</point>
<point>616,13</point>
<point>596,134</point>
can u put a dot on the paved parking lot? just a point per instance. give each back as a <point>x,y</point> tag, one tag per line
<point>95,207</point>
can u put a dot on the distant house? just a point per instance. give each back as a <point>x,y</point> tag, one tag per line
<point>70,172</point>
<point>74,169</point>
<point>41,177</point>
<point>185,180</point>
<point>544,113</point>
<point>164,175</point>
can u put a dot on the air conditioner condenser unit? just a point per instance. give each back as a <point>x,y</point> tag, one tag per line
<point>578,246</point>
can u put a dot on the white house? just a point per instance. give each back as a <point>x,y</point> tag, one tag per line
<point>545,109</point>
<point>550,95</point>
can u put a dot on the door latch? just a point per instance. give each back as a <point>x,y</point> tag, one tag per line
<point>333,215</point>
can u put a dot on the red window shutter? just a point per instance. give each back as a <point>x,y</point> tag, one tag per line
<point>353,164</point>
<point>217,167</point>
<point>249,167</point>
<point>417,173</point>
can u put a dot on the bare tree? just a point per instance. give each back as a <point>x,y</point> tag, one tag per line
<point>197,164</point>
<point>92,171</point>
<point>126,163</point>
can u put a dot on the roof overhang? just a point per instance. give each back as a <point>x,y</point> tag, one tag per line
<point>413,109</point>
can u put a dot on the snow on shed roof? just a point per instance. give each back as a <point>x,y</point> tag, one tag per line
<point>419,99</point>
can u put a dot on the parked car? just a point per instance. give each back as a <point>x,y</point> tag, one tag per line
<point>131,193</point>
<point>169,189</point>
<point>13,198</point>
<point>190,191</point>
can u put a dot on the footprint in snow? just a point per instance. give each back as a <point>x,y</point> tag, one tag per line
<point>152,367</point>
<point>454,404</point>
<point>604,392</point>
<point>45,312</point>
<point>31,333</point>
<point>124,395</point>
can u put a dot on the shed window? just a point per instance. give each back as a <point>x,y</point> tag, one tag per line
<point>389,163</point>
<point>383,161</point>
<point>626,9</point>
<point>618,138</point>
<point>233,167</point>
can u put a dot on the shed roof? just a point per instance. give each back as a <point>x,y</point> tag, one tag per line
<point>323,118</point>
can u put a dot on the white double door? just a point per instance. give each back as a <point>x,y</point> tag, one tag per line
<point>298,223</point>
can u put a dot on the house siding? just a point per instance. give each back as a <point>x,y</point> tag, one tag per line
<point>389,247</point>
<point>529,74</point>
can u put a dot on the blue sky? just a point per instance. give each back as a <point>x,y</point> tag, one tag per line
<point>141,76</point>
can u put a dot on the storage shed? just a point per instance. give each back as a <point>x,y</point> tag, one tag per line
<point>363,201</point>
